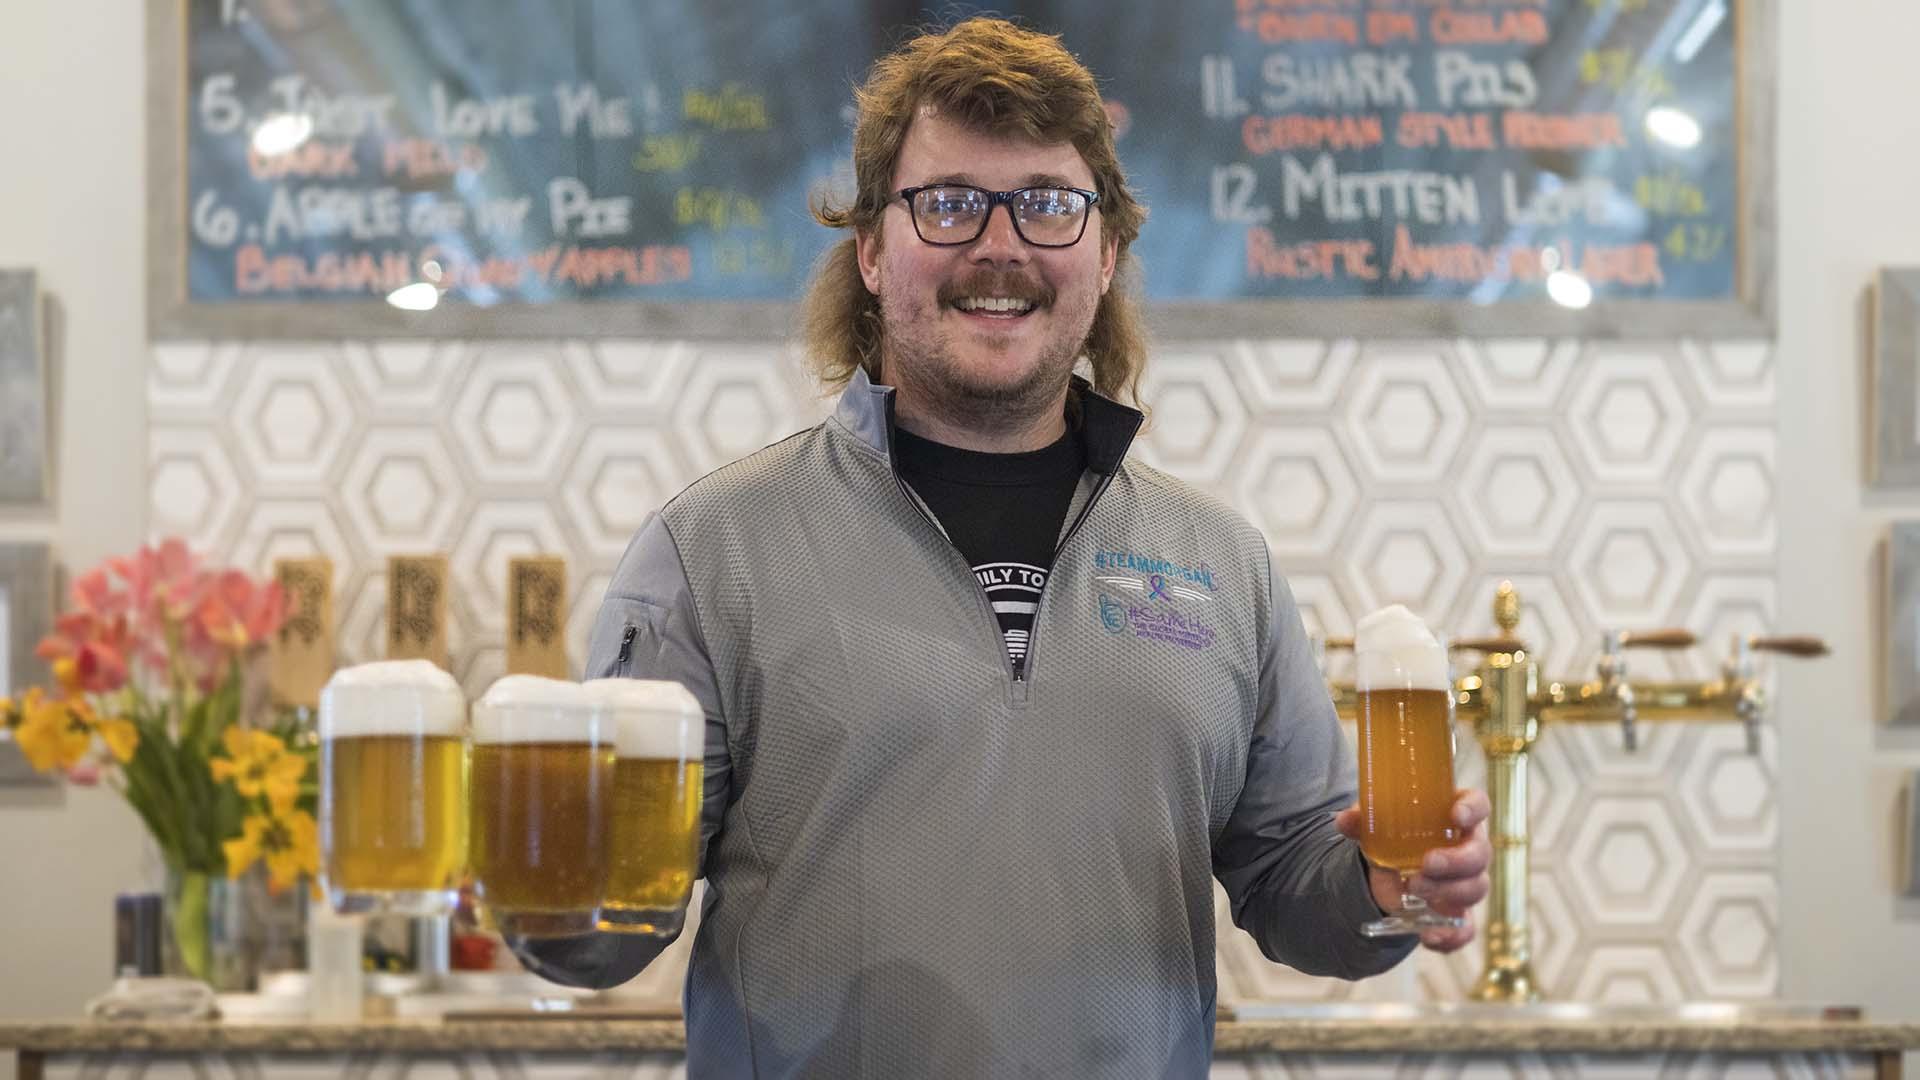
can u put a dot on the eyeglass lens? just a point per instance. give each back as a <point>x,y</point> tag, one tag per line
<point>1042,216</point>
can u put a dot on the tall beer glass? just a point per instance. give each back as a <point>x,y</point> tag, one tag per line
<point>393,798</point>
<point>541,806</point>
<point>1406,756</point>
<point>659,733</point>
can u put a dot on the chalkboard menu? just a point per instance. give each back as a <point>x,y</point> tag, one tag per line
<point>577,166</point>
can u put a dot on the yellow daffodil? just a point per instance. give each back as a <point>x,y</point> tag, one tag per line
<point>9,713</point>
<point>121,737</point>
<point>53,733</point>
<point>287,839</point>
<point>66,672</point>
<point>244,850</point>
<point>258,764</point>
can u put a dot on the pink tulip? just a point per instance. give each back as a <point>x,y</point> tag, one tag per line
<point>158,608</point>
<point>237,613</point>
<point>97,646</point>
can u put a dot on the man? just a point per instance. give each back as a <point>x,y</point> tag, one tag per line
<point>987,703</point>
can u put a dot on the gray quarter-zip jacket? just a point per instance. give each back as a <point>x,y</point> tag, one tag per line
<point>918,865</point>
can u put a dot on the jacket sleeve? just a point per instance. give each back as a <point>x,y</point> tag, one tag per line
<point>1294,883</point>
<point>646,629</point>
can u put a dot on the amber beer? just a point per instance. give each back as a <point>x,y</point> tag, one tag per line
<point>541,806</point>
<point>653,853</point>
<point>1405,732</point>
<point>1406,776</point>
<point>392,788</point>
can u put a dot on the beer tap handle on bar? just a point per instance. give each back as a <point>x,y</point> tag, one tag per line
<point>1501,644</point>
<point>1672,637</point>
<point>1749,700</point>
<point>1801,645</point>
<point>1613,670</point>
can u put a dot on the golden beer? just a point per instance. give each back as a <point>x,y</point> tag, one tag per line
<point>654,852</point>
<point>541,805</point>
<point>399,813</point>
<point>1405,721</point>
<point>1406,776</point>
<point>392,788</point>
<point>656,837</point>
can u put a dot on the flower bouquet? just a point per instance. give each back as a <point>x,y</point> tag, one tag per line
<point>156,692</point>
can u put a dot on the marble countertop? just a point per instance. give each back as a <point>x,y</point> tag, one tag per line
<point>1643,1033</point>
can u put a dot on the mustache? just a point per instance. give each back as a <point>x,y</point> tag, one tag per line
<point>998,283</point>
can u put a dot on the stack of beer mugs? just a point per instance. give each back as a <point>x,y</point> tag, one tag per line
<point>573,807</point>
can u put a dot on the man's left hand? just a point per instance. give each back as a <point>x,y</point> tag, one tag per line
<point>1451,879</point>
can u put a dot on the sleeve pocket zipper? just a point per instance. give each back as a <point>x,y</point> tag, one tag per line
<point>625,656</point>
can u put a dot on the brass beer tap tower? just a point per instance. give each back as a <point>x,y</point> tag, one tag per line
<point>1507,706</point>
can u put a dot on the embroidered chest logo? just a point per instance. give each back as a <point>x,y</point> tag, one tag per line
<point>1150,597</point>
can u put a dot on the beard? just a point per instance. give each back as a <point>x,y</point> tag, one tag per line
<point>920,357</point>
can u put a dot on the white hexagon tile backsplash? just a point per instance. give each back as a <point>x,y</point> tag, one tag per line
<point>1624,484</point>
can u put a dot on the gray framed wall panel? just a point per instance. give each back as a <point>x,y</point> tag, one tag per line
<point>1900,628</point>
<point>1367,170</point>
<point>25,450</point>
<point>1894,405</point>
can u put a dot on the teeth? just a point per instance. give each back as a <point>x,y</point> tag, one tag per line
<point>993,303</point>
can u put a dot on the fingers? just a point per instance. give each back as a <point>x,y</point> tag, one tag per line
<point>1468,858</point>
<point>1348,822</point>
<point>1470,807</point>
<point>1446,940</point>
<point>1451,897</point>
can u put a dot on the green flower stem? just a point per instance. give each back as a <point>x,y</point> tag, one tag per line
<point>190,924</point>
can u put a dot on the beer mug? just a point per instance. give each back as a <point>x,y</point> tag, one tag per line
<point>541,805</point>
<point>393,788</point>
<point>1405,722</point>
<point>653,857</point>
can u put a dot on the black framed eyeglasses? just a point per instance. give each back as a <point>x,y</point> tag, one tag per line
<point>950,214</point>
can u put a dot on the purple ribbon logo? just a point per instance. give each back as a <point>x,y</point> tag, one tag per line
<point>1157,588</point>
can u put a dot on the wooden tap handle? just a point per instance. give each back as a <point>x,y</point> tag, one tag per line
<point>1672,637</point>
<point>1488,644</point>
<point>1793,645</point>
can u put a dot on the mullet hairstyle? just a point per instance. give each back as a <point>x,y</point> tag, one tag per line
<point>997,78</point>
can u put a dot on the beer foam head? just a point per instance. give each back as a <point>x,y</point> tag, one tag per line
<point>532,709</point>
<point>652,718</point>
<point>1395,650</point>
<point>392,697</point>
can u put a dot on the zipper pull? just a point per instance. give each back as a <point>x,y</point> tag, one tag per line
<point>626,645</point>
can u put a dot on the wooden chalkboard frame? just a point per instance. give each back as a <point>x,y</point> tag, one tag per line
<point>1750,314</point>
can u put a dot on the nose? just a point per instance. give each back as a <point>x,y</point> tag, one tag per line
<point>999,244</point>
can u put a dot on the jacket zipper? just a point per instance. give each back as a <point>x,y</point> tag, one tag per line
<point>1020,675</point>
<point>626,649</point>
<point>993,621</point>
<point>1039,606</point>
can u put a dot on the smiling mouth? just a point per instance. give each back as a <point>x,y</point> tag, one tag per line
<point>994,307</point>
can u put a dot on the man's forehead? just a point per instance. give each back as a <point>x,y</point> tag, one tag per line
<point>938,147</point>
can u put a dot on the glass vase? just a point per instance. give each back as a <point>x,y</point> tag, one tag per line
<point>226,932</point>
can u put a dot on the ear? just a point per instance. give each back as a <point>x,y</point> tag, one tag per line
<point>866,251</point>
<point>1109,257</point>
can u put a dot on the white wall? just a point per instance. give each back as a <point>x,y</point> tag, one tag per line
<point>1849,158</point>
<point>72,207</point>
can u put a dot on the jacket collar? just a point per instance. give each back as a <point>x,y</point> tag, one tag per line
<point>866,410</point>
